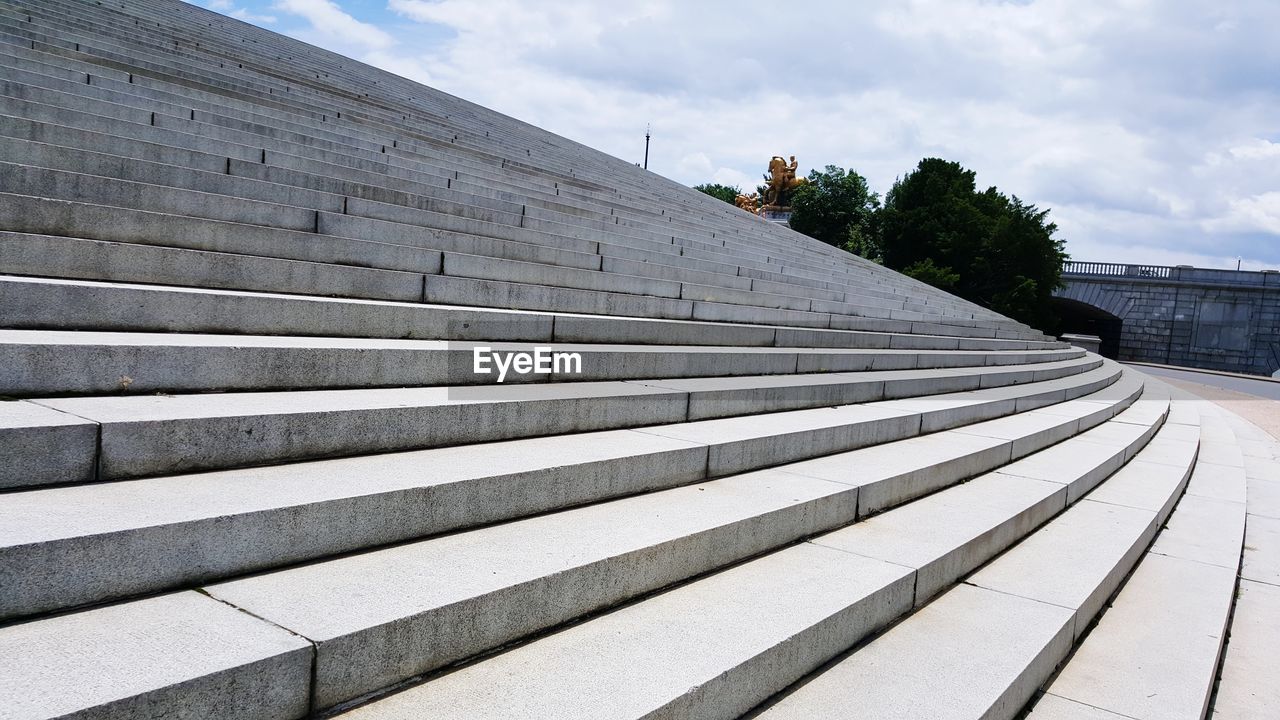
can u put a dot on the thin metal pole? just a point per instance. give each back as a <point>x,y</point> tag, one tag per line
<point>646,146</point>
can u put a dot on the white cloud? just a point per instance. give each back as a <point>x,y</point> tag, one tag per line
<point>332,23</point>
<point>1257,149</point>
<point>245,15</point>
<point>1254,214</point>
<point>228,8</point>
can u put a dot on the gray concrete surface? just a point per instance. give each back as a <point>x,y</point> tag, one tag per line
<point>1173,614</point>
<point>381,617</point>
<point>968,525</point>
<point>181,655</point>
<point>701,650</point>
<point>44,446</point>
<point>971,653</point>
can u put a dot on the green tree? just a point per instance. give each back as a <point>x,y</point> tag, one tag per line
<point>837,207</point>
<point>984,246</point>
<point>726,193</point>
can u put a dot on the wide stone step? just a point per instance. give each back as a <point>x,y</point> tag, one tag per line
<point>65,185</point>
<point>513,579</point>
<point>74,258</point>
<point>44,362</point>
<point>275,137</point>
<point>236,521</point>
<point>42,444</point>
<point>1174,612</point>
<point>224,204</point>
<point>147,435</point>
<point>981,649</point>
<point>1249,680</point>
<point>305,223</point>
<point>185,652</point>
<point>37,303</point>
<point>737,643</point>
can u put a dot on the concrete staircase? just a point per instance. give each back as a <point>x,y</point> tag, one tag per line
<point>250,471</point>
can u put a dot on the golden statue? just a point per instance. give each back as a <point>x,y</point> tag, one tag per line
<point>747,202</point>
<point>782,181</point>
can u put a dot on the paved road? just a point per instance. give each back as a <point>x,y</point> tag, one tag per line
<point>1259,388</point>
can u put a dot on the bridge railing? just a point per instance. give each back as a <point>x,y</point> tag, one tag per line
<point>1176,274</point>
<point>1116,270</point>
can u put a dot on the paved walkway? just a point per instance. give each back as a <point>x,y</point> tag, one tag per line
<point>1257,401</point>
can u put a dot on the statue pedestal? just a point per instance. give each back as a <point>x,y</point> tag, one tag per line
<point>778,215</point>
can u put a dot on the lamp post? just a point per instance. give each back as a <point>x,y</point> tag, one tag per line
<point>646,146</point>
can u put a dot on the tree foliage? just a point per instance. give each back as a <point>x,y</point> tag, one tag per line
<point>985,246</point>
<point>935,226</point>
<point>837,207</point>
<point>726,193</point>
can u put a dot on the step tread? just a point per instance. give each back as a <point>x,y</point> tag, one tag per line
<point>1173,612</point>
<point>911,672</point>
<point>637,660</point>
<point>126,657</point>
<point>982,648</point>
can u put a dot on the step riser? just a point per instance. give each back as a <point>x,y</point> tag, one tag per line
<point>133,308</point>
<point>103,567</point>
<point>171,168</point>
<point>45,368</point>
<point>42,446</point>
<point>74,220</point>
<point>62,257</point>
<point>63,185</point>
<point>356,664</point>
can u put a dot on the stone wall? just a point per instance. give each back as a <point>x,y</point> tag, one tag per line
<point>1214,319</point>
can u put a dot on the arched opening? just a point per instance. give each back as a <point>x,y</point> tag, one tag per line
<point>1085,319</point>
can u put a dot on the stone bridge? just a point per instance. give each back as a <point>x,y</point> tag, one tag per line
<point>1214,319</point>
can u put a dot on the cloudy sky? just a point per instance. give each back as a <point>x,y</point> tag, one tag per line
<point>1151,128</point>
